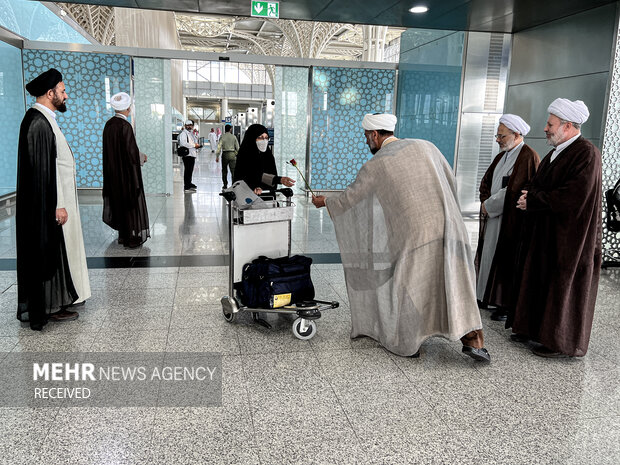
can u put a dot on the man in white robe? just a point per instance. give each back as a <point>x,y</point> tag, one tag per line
<point>500,221</point>
<point>404,246</point>
<point>213,140</point>
<point>52,274</point>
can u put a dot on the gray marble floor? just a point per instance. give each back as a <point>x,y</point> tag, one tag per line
<point>330,400</point>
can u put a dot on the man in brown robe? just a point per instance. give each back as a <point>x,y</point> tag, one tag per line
<point>500,221</point>
<point>561,258</point>
<point>124,204</point>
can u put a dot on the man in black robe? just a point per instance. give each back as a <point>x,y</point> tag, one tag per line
<point>561,258</point>
<point>124,203</point>
<point>45,284</point>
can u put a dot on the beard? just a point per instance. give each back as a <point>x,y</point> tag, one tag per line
<point>555,138</point>
<point>373,148</point>
<point>59,103</point>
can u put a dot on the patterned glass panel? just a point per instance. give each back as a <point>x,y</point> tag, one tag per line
<point>291,121</point>
<point>11,113</point>
<point>153,111</point>
<point>91,79</point>
<point>611,159</point>
<point>340,99</point>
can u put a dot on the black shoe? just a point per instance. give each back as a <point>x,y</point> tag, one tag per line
<point>64,315</point>
<point>543,351</point>
<point>514,337</point>
<point>194,186</point>
<point>480,355</point>
<point>499,315</point>
<point>81,304</point>
<point>482,305</point>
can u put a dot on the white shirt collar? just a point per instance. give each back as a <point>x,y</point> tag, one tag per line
<point>514,149</point>
<point>120,115</point>
<point>44,108</point>
<point>563,145</point>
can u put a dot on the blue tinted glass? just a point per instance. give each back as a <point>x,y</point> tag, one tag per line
<point>35,21</point>
<point>11,113</point>
<point>429,86</point>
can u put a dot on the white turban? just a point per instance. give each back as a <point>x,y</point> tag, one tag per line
<point>383,121</point>
<point>515,124</point>
<point>575,112</point>
<point>188,122</point>
<point>120,101</point>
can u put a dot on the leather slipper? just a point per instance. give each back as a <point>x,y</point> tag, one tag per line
<point>480,355</point>
<point>64,315</point>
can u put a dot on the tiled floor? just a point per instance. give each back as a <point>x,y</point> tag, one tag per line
<point>330,400</point>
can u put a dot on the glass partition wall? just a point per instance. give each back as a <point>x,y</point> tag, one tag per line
<point>12,110</point>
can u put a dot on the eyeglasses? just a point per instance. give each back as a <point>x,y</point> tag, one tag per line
<point>501,136</point>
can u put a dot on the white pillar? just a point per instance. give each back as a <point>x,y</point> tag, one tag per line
<point>374,42</point>
<point>223,109</point>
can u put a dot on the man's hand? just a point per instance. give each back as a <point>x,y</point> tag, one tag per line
<point>258,191</point>
<point>484,210</point>
<point>61,216</point>
<point>288,182</point>
<point>522,202</point>
<point>197,146</point>
<point>318,201</point>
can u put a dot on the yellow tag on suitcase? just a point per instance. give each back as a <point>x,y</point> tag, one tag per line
<point>280,300</point>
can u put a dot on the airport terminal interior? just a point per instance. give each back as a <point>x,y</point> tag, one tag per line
<point>308,70</point>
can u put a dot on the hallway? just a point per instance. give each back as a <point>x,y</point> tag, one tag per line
<point>286,401</point>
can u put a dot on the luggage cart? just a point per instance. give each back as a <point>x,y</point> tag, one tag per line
<point>273,226</point>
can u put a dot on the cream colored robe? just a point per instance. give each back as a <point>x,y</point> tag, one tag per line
<point>495,209</point>
<point>67,198</point>
<point>405,249</point>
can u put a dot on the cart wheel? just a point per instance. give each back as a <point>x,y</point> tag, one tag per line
<point>308,333</point>
<point>228,316</point>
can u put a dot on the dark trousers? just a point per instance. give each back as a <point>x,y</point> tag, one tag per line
<point>188,162</point>
<point>229,161</point>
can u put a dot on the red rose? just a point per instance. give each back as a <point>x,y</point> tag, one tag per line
<point>293,162</point>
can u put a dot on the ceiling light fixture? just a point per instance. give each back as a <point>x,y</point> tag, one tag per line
<point>419,9</point>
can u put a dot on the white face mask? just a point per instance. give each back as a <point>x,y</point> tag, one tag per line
<point>262,145</point>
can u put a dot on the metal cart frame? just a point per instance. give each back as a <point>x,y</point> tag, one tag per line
<point>304,326</point>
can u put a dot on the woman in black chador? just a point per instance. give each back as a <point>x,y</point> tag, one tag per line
<point>255,163</point>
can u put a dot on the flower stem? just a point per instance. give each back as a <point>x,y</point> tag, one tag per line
<point>302,177</point>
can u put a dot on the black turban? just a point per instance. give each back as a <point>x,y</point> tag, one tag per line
<point>44,82</point>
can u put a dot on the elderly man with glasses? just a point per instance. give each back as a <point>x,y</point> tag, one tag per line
<point>500,222</point>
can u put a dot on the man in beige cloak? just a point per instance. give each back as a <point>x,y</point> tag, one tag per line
<point>404,246</point>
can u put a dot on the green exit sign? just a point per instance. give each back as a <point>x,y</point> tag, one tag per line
<point>265,9</point>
